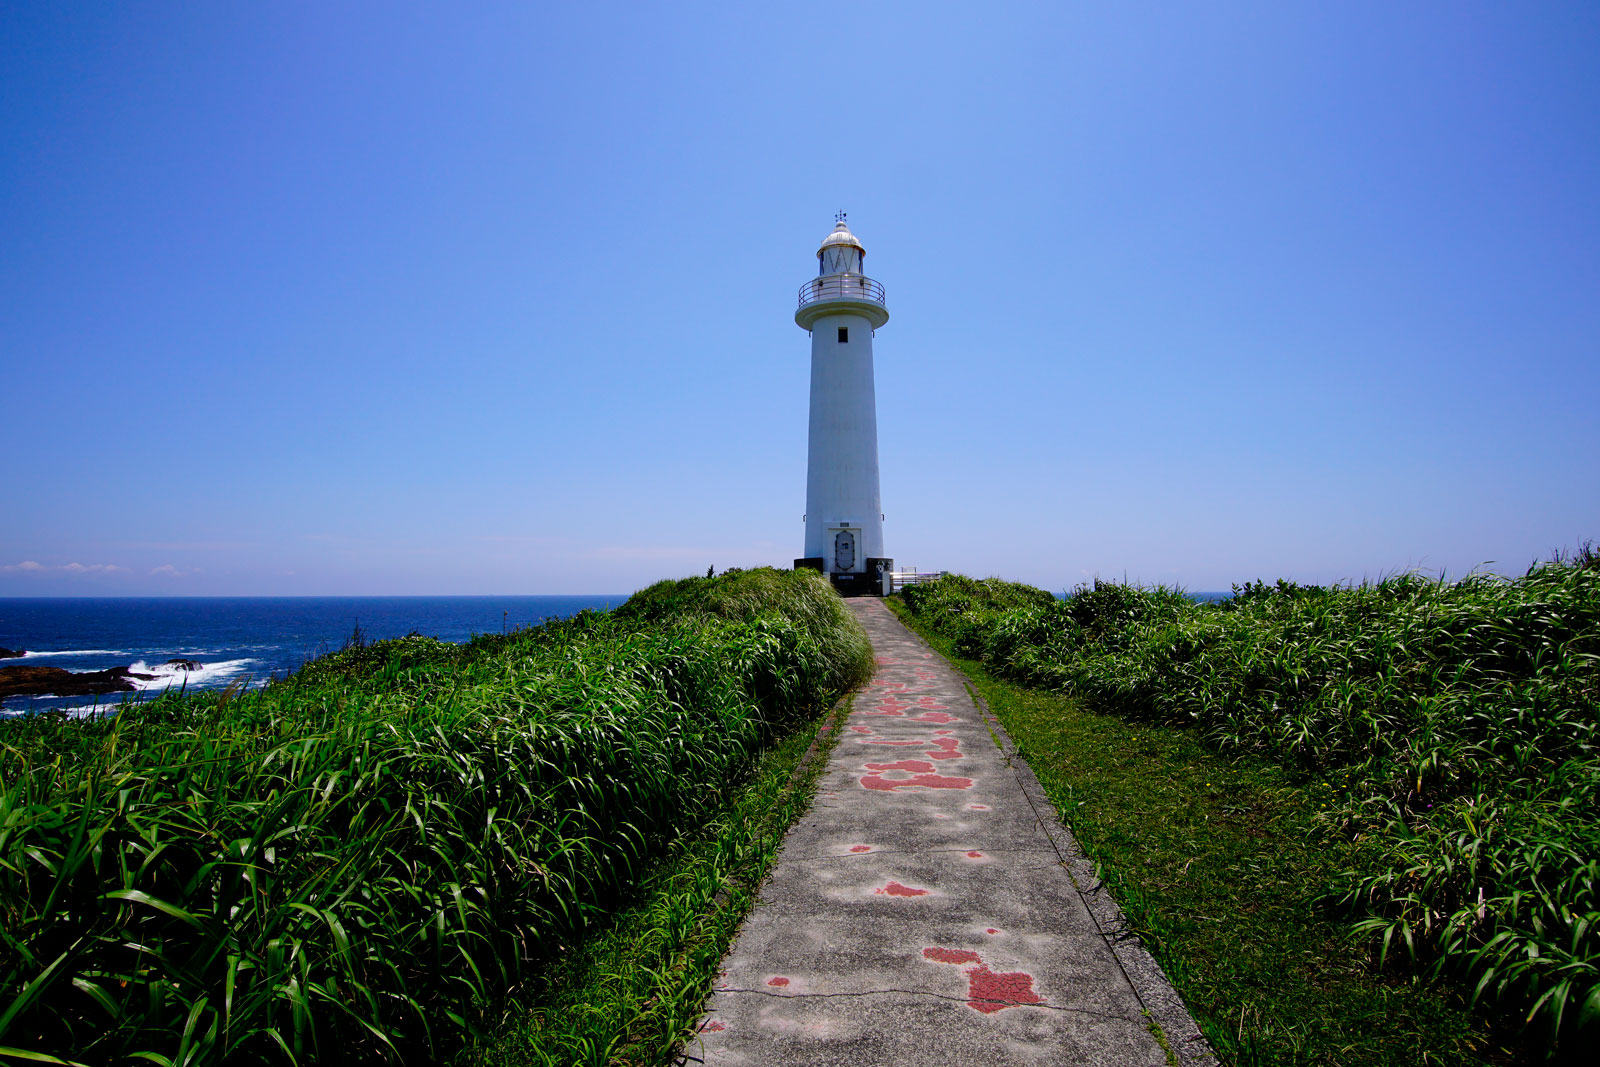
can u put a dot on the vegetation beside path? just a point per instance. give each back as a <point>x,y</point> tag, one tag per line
<point>356,863</point>
<point>632,993</point>
<point>1312,800</point>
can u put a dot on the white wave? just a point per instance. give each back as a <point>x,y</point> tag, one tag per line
<point>167,676</point>
<point>109,704</point>
<point>78,652</point>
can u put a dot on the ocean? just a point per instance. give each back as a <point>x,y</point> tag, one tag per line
<point>252,639</point>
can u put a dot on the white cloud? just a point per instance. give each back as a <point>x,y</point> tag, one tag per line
<point>167,570</point>
<point>33,566</point>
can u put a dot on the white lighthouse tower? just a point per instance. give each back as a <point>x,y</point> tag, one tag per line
<point>841,307</point>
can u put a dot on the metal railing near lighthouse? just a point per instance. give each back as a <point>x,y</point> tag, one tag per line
<point>898,580</point>
<point>841,287</point>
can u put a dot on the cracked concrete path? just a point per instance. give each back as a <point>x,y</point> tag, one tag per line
<point>931,908</point>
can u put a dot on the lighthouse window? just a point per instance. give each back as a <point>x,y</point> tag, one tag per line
<point>844,334</point>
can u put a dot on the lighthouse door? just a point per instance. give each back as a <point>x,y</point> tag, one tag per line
<point>844,551</point>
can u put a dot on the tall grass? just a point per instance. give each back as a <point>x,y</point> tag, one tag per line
<point>1454,725</point>
<point>631,993</point>
<point>353,863</point>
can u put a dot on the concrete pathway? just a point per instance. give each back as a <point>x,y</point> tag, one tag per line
<point>930,909</point>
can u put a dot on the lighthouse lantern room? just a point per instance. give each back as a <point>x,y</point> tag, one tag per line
<point>842,308</point>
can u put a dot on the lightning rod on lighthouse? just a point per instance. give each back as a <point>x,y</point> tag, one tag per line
<point>841,307</point>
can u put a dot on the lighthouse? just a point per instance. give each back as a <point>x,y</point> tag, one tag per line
<point>841,308</point>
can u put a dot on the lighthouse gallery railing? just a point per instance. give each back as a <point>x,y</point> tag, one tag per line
<point>841,287</point>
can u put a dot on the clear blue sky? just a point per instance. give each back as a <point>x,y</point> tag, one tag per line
<point>380,298</point>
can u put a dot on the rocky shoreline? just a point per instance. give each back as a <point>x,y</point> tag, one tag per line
<point>53,681</point>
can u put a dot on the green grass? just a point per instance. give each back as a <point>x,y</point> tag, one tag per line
<point>358,862</point>
<point>632,994</point>
<point>1437,741</point>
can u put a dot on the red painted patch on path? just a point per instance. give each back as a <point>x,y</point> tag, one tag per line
<point>860,848</point>
<point>895,889</point>
<point>974,855</point>
<point>993,991</point>
<point>910,766</point>
<point>922,777</point>
<point>990,991</point>
<point>921,781</point>
<point>941,747</point>
<point>780,980</point>
<point>715,1026</point>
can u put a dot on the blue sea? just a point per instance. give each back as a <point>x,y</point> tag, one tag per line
<point>252,639</point>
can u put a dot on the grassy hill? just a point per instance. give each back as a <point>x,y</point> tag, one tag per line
<point>357,862</point>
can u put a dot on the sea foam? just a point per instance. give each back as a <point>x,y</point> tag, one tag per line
<point>166,676</point>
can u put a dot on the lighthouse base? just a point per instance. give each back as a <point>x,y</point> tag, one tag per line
<point>874,581</point>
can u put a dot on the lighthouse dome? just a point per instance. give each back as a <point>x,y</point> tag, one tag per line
<point>841,252</point>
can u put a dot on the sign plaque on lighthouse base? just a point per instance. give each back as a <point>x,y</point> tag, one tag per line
<point>842,307</point>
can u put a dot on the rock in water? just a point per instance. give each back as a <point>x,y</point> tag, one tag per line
<point>53,681</point>
<point>185,665</point>
<point>11,653</point>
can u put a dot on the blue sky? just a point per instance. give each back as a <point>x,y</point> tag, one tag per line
<point>381,298</point>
